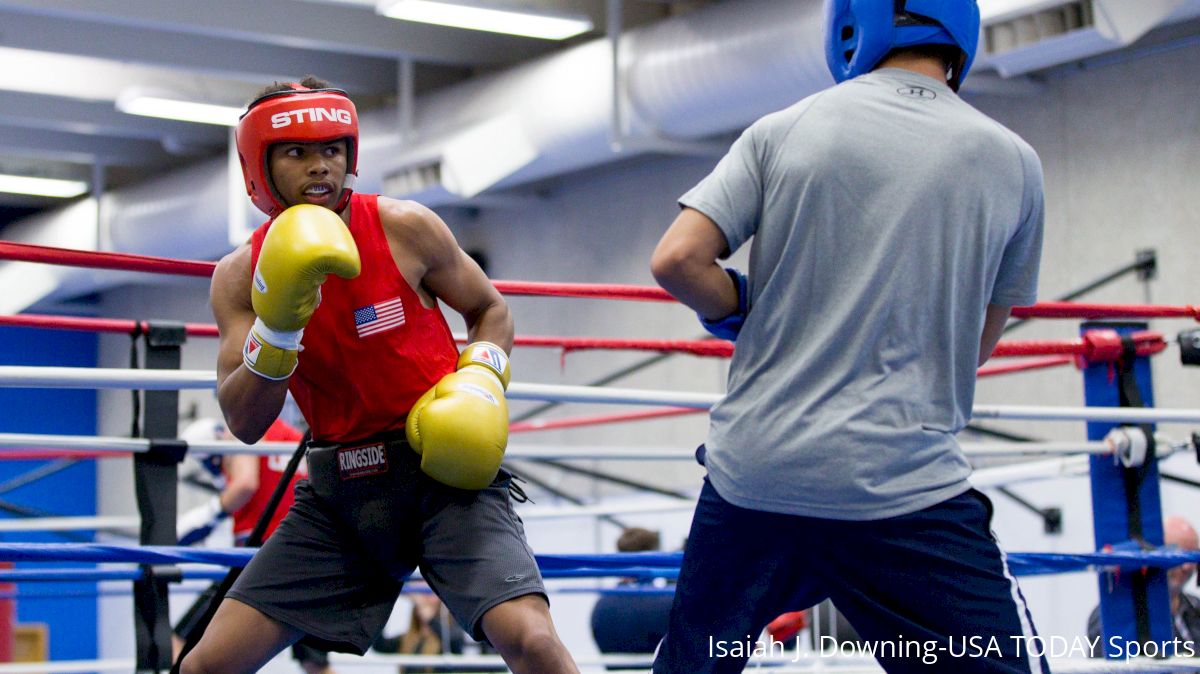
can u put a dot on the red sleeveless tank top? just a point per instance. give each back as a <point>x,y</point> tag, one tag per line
<point>371,348</point>
<point>270,470</point>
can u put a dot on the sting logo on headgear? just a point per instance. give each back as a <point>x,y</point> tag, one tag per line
<point>282,119</point>
<point>298,115</point>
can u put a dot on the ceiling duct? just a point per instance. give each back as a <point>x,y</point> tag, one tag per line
<point>1041,35</point>
<point>184,214</point>
<point>684,79</point>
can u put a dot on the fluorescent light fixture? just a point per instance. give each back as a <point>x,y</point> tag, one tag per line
<point>42,187</point>
<point>472,16</point>
<point>164,106</point>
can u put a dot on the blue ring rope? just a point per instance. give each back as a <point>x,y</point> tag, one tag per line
<point>126,592</point>
<point>635,565</point>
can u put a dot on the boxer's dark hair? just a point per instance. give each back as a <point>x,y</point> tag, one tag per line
<point>637,539</point>
<point>309,81</point>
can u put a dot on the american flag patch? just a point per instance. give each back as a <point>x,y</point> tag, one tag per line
<point>379,317</point>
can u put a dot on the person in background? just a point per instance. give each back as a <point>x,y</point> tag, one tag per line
<point>633,619</point>
<point>1185,607</point>
<point>249,481</point>
<point>431,631</point>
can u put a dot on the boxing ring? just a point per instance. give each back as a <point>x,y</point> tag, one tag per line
<point>1120,456</point>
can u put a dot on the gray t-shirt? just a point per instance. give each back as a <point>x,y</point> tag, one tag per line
<point>886,215</point>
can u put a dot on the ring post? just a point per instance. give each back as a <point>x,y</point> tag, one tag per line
<point>155,476</point>
<point>1126,504</point>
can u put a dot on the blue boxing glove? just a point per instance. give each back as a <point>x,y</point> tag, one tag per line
<point>731,325</point>
<point>196,524</point>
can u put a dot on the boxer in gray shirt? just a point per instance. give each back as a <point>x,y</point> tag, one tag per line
<point>894,226</point>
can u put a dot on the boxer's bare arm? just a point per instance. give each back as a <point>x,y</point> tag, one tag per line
<point>241,481</point>
<point>447,272</point>
<point>685,264</point>
<point>249,402</point>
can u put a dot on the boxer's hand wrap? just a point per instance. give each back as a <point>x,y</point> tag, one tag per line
<point>731,325</point>
<point>304,245</point>
<point>271,354</point>
<point>487,356</point>
<point>460,426</point>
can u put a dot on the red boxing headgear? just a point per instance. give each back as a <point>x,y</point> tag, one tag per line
<point>299,115</point>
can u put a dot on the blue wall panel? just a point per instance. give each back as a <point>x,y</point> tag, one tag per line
<point>72,621</point>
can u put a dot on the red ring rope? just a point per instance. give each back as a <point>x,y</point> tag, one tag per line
<point>105,325</point>
<point>1079,310</point>
<point>131,262</point>
<point>584,290</point>
<point>24,252</point>
<point>696,347</point>
<point>1024,366</point>
<point>67,257</point>
<point>558,424</point>
<point>1096,346</point>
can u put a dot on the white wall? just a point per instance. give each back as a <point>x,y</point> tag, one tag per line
<point>1121,148</point>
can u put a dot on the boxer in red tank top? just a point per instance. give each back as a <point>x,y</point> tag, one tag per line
<point>347,315</point>
<point>248,485</point>
<point>256,478</point>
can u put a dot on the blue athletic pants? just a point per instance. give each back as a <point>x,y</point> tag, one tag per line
<point>928,591</point>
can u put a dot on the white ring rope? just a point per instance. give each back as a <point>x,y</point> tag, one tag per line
<point>530,452</point>
<point>25,376</point>
<point>85,378</point>
<point>90,443</point>
<point>138,445</point>
<point>1126,415</point>
<point>1030,471</point>
<point>102,523</point>
<point>611,396</point>
<point>62,666</point>
<point>997,449</point>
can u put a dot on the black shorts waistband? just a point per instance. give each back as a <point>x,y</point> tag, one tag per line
<point>347,461</point>
<point>361,458</point>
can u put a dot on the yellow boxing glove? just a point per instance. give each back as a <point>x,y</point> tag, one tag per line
<point>305,244</point>
<point>460,426</point>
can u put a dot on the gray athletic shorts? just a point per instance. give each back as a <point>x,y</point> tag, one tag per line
<point>303,651</point>
<point>363,521</point>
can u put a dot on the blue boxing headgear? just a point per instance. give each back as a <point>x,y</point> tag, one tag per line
<point>861,33</point>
